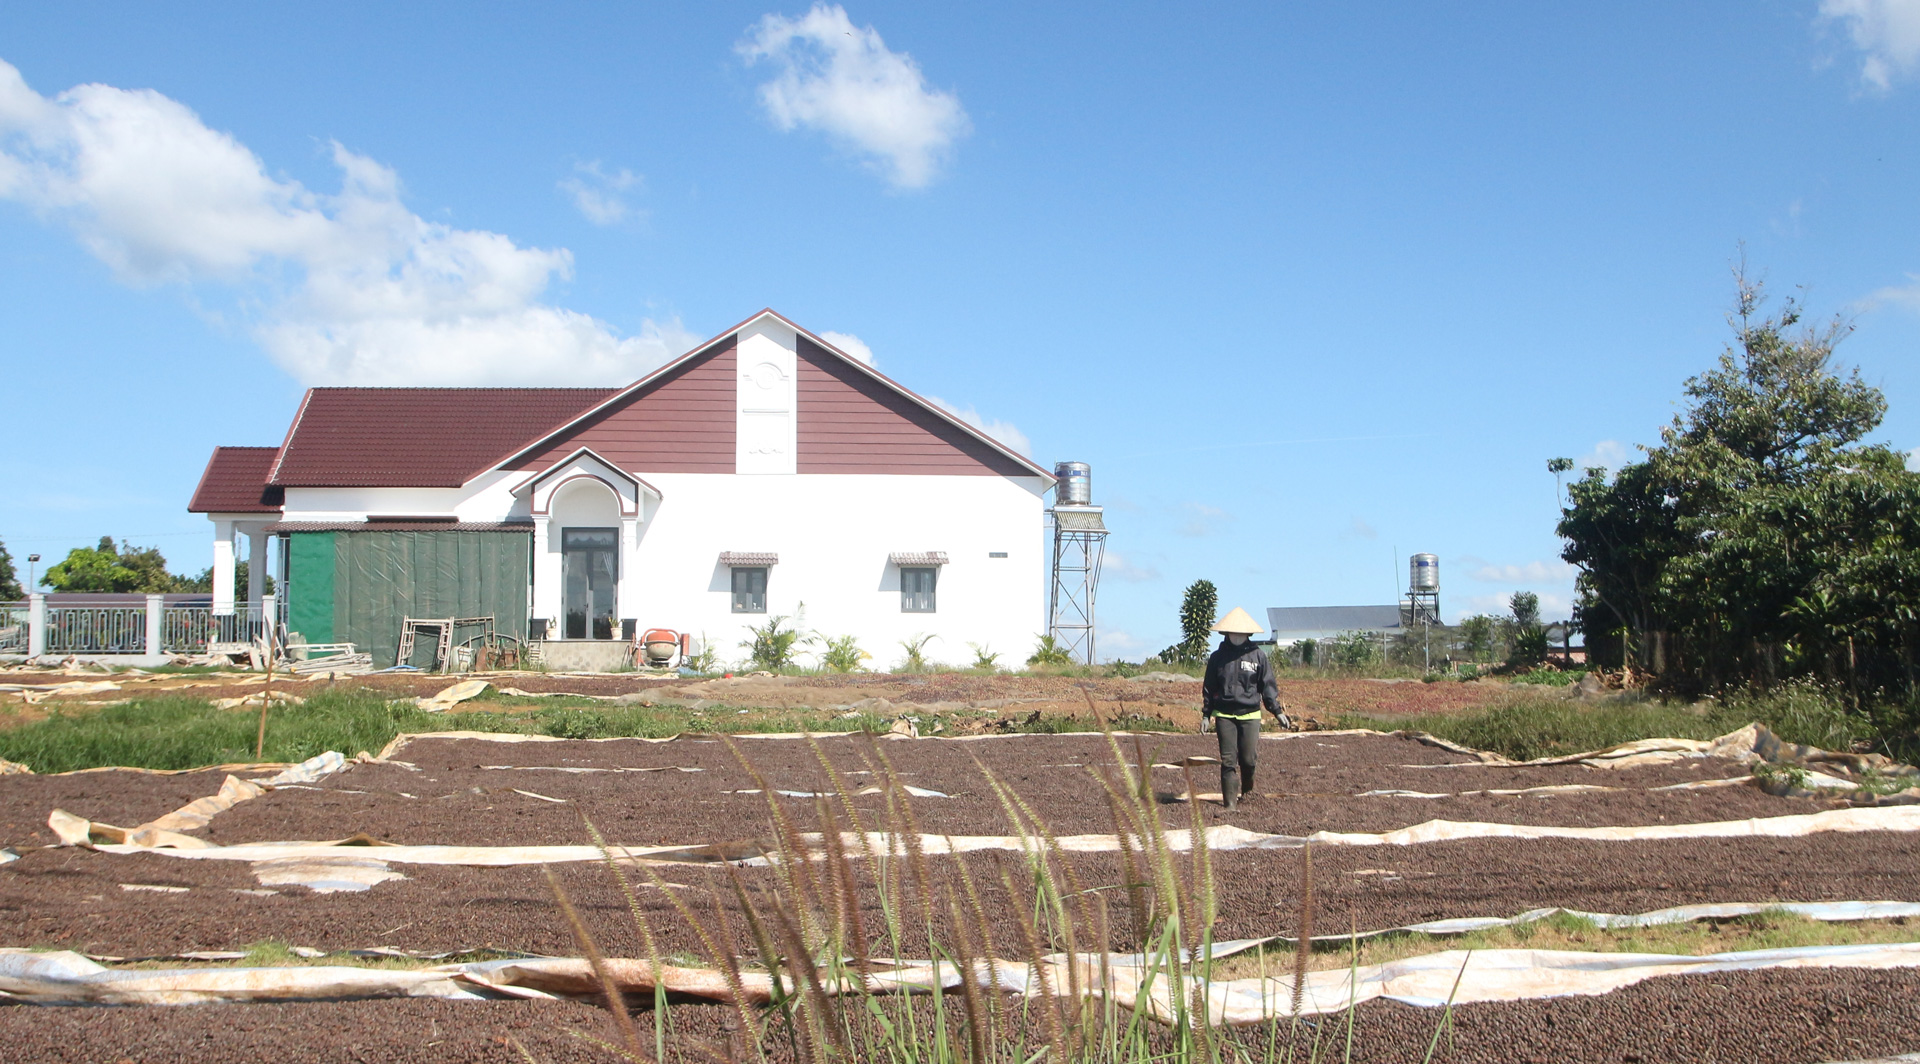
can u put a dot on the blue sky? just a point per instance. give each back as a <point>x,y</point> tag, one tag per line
<point>1312,288</point>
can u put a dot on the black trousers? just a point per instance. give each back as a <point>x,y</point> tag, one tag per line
<point>1238,738</point>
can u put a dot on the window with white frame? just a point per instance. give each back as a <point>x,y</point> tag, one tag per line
<point>916,588</point>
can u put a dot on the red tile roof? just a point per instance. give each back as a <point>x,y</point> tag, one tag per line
<point>418,437</point>
<point>236,483</point>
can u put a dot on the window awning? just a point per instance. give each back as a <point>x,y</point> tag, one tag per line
<point>918,558</point>
<point>748,558</point>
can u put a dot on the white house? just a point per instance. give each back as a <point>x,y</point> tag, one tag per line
<point>762,471</point>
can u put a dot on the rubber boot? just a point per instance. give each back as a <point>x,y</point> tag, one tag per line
<point>1246,779</point>
<point>1230,788</point>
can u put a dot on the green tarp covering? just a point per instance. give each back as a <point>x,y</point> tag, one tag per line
<point>310,585</point>
<point>377,578</point>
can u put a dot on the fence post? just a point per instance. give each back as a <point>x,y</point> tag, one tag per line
<point>156,616</point>
<point>270,619</point>
<point>36,626</point>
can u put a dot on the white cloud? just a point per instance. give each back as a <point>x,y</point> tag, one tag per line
<point>1004,431</point>
<point>1201,518</point>
<point>1359,529</point>
<point>1527,573</point>
<point>1117,566</point>
<point>1913,460</point>
<point>843,81</point>
<point>1114,644</point>
<point>1609,455</point>
<point>597,193</point>
<point>1887,33</point>
<point>343,288</point>
<point>852,345</point>
<point>1553,606</point>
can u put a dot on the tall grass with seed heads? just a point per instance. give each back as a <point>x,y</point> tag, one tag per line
<point>854,893</point>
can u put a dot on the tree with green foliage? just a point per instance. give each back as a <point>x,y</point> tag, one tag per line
<point>1351,650</point>
<point>1476,637</point>
<point>1762,539</point>
<point>1198,611</point>
<point>107,568</point>
<point>10,589</point>
<point>1529,646</point>
<point>204,582</point>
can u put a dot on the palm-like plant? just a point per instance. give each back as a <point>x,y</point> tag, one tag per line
<point>773,644</point>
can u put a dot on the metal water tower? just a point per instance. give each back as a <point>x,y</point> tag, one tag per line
<point>1079,545</point>
<point>1422,604</point>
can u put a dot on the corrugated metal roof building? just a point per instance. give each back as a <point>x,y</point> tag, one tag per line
<point>1287,625</point>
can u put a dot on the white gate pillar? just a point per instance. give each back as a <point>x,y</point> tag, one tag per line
<point>36,625</point>
<point>156,616</point>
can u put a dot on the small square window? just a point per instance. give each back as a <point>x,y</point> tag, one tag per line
<point>916,588</point>
<point>750,589</point>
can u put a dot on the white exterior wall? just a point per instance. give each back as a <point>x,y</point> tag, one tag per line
<point>488,497</point>
<point>832,532</point>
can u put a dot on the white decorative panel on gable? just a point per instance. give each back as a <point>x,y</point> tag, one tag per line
<point>766,432</point>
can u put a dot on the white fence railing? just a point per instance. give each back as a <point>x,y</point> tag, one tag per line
<point>96,630</point>
<point>13,628</point>
<point>189,629</point>
<point>120,626</point>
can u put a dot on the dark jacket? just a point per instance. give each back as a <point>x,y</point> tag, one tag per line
<point>1239,680</point>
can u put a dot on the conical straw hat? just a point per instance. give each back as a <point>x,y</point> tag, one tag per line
<point>1238,621</point>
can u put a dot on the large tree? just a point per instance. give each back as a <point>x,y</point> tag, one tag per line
<point>109,568</point>
<point>1762,538</point>
<point>10,589</point>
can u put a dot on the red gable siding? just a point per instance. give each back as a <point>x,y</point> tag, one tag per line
<point>682,423</point>
<point>851,423</point>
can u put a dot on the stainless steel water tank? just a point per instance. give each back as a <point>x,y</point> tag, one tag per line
<point>1076,484</point>
<point>1423,572</point>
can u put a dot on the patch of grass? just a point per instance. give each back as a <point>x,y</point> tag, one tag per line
<point>1545,726</point>
<point>178,732</point>
<point>1772,929</point>
<point>1549,677</point>
<point>1549,727</point>
<point>269,954</point>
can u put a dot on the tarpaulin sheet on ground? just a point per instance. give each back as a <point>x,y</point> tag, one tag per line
<point>1460,976</point>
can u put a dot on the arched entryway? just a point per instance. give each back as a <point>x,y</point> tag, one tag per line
<point>585,531</point>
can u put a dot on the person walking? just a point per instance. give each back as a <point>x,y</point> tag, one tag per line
<point>1239,683</point>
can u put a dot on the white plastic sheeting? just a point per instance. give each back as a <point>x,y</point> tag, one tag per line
<point>73,831</point>
<point>1465,977</point>
<point>165,831</point>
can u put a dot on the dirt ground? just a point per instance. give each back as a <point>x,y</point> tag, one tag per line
<point>1778,1017</point>
<point>1176,701</point>
<point>438,790</point>
<point>492,793</point>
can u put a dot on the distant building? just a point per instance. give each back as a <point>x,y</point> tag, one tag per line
<point>760,471</point>
<point>1287,625</point>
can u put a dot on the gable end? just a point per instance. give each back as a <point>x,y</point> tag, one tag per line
<point>850,422</point>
